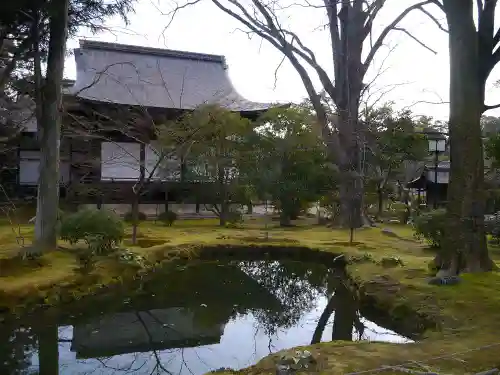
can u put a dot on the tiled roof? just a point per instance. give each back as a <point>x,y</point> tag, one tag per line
<point>151,77</point>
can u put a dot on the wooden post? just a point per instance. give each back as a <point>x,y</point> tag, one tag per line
<point>166,201</point>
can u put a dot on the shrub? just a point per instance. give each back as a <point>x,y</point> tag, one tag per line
<point>233,218</point>
<point>101,230</point>
<point>430,226</point>
<point>168,217</point>
<point>60,214</point>
<point>401,212</point>
<point>492,226</point>
<point>141,216</point>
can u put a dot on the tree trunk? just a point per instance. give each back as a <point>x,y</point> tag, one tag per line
<point>323,320</point>
<point>224,207</point>
<point>286,211</point>
<point>465,241</point>
<point>137,190</point>
<point>351,182</point>
<point>349,72</point>
<point>380,198</point>
<point>285,220</point>
<point>345,313</point>
<point>48,350</point>
<point>135,218</point>
<point>50,129</point>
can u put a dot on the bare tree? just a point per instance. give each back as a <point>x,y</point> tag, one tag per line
<point>350,27</point>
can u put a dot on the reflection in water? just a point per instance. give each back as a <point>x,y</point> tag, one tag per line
<point>197,317</point>
<point>48,349</point>
<point>16,344</point>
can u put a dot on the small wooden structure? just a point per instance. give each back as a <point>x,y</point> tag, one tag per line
<point>431,186</point>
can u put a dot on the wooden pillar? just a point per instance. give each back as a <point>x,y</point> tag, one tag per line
<point>166,200</point>
<point>70,160</point>
<point>142,164</point>
<point>142,176</point>
<point>183,170</point>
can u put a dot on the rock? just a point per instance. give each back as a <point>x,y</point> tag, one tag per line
<point>451,280</point>
<point>391,262</point>
<point>388,232</point>
<point>283,370</point>
<point>494,371</point>
<point>289,364</point>
<point>444,273</point>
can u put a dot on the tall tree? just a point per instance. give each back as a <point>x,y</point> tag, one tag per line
<point>25,31</point>
<point>49,127</point>
<point>391,142</point>
<point>353,48</point>
<point>39,30</point>
<point>209,141</point>
<point>287,161</point>
<point>474,53</point>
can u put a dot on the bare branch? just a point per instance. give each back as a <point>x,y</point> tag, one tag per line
<point>178,8</point>
<point>380,40</point>
<point>488,107</point>
<point>480,6</point>
<point>433,19</point>
<point>415,39</point>
<point>276,71</point>
<point>424,102</point>
<point>373,11</point>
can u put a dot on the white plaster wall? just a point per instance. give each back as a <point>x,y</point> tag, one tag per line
<point>120,160</point>
<point>443,177</point>
<point>29,165</point>
<point>183,208</point>
<point>169,169</point>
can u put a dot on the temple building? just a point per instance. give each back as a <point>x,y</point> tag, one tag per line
<point>120,95</point>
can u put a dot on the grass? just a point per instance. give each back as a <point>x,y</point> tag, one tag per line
<point>465,314</point>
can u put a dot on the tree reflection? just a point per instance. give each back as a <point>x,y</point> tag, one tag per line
<point>346,312</point>
<point>344,303</point>
<point>48,349</point>
<point>16,346</point>
<point>137,331</point>
<point>296,285</point>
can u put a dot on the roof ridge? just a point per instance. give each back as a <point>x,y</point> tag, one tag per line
<point>106,46</point>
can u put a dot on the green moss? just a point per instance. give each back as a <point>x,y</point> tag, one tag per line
<point>456,318</point>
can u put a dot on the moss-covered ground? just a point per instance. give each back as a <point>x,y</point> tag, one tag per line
<point>464,338</point>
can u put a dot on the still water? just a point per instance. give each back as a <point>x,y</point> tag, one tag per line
<point>190,319</point>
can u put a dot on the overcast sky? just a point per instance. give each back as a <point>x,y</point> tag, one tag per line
<point>415,74</point>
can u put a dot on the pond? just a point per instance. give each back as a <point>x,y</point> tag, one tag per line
<point>191,318</point>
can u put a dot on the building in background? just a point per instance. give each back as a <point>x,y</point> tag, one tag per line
<point>120,94</point>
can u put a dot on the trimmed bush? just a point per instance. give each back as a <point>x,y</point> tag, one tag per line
<point>430,226</point>
<point>141,216</point>
<point>102,230</point>
<point>233,218</point>
<point>168,217</point>
<point>400,211</point>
